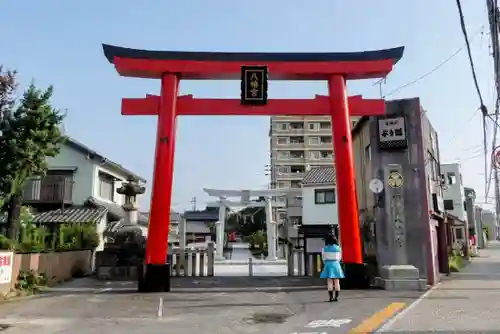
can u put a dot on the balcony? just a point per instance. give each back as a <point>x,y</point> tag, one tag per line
<point>49,189</point>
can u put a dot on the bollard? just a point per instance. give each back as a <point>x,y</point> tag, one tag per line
<point>250,267</point>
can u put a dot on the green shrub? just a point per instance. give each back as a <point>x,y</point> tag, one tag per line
<point>30,282</point>
<point>6,243</point>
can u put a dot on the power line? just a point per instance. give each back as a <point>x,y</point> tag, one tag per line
<point>469,52</point>
<point>480,31</point>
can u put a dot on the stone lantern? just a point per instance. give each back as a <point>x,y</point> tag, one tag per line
<point>130,190</point>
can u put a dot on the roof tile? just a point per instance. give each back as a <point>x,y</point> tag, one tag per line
<point>320,175</point>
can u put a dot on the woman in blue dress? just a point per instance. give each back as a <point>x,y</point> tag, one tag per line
<point>332,271</point>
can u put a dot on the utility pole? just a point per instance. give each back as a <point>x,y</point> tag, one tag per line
<point>193,203</point>
<point>493,16</point>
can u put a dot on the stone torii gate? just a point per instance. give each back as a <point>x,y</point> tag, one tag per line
<point>246,202</point>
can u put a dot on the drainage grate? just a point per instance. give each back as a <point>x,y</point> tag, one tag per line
<point>267,318</point>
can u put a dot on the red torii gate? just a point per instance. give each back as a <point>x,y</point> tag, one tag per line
<point>172,66</point>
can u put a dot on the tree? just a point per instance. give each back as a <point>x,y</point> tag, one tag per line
<point>30,133</point>
<point>247,221</point>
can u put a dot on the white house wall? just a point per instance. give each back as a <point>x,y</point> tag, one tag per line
<point>318,214</point>
<point>86,176</point>
<point>118,199</point>
<point>68,158</point>
<point>454,192</point>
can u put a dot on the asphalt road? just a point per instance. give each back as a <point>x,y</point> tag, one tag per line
<point>211,305</point>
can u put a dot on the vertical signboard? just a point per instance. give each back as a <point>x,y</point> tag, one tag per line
<point>6,265</point>
<point>254,85</point>
<point>395,210</point>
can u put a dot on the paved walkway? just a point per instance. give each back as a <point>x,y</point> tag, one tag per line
<point>465,301</point>
<point>279,305</point>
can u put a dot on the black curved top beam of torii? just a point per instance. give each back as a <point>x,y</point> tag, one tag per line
<point>111,51</point>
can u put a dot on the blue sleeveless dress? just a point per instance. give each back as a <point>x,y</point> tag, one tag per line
<point>331,268</point>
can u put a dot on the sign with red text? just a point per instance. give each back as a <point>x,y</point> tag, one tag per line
<point>495,156</point>
<point>6,264</point>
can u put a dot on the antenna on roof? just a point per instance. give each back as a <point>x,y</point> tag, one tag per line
<point>62,128</point>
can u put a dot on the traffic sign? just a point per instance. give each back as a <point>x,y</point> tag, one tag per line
<point>376,186</point>
<point>495,156</point>
<point>395,179</point>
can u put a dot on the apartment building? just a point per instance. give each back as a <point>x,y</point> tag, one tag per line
<point>298,143</point>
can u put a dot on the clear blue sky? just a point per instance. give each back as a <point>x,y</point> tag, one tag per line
<point>58,42</point>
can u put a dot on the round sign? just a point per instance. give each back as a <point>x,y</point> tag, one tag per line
<point>496,157</point>
<point>395,179</point>
<point>376,186</point>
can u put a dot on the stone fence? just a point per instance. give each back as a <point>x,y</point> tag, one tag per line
<point>56,267</point>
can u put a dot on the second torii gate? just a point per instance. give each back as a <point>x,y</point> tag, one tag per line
<point>172,66</point>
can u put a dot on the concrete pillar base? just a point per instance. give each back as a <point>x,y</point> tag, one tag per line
<point>401,278</point>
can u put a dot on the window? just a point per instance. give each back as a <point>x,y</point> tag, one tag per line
<point>297,154</point>
<point>325,125</point>
<point>282,216</point>
<point>314,154</point>
<point>452,178</point>
<point>368,153</point>
<point>297,140</point>
<point>106,186</point>
<point>448,204</point>
<point>297,126</point>
<point>297,169</point>
<point>295,220</point>
<point>282,169</point>
<point>459,233</point>
<point>283,154</point>
<point>326,155</point>
<point>326,139</point>
<point>295,184</point>
<point>313,126</point>
<point>282,126</point>
<point>324,196</point>
<point>282,140</point>
<point>314,140</point>
<point>283,184</point>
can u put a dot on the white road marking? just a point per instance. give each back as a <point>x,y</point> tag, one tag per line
<point>328,323</point>
<point>401,314</point>
<point>102,290</point>
<point>160,308</point>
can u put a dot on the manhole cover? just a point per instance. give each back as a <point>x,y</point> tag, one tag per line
<point>4,327</point>
<point>267,318</point>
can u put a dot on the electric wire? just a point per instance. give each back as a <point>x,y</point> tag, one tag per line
<point>437,67</point>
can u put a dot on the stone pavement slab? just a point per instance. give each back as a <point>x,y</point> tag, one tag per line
<point>211,305</point>
<point>465,301</point>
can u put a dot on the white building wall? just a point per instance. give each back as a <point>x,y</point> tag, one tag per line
<point>454,191</point>
<point>318,214</point>
<point>86,176</point>
<point>68,158</point>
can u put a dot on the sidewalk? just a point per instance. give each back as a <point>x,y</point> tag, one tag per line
<point>465,301</point>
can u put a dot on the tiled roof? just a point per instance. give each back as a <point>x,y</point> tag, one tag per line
<point>76,214</point>
<point>197,227</point>
<point>320,175</point>
<point>115,210</point>
<point>73,143</point>
<point>205,215</point>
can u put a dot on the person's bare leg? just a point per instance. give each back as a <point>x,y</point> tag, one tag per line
<point>330,285</point>
<point>336,283</point>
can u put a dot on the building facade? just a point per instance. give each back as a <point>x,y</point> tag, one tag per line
<point>402,143</point>
<point>297,144</point>
<point>454,191</point>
